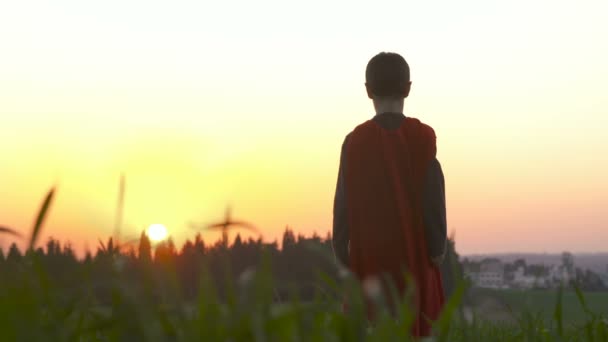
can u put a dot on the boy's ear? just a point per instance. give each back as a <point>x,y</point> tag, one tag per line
<point>406,90</point>
<point>369,92</point>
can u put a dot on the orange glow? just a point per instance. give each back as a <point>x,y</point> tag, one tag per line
<point>199,113</point>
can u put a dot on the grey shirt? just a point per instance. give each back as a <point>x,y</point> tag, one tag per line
<point>433,202</point>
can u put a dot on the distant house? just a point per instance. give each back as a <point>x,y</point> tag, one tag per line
<point>471,271</point>
<point>560,274</point>
<point>527,281</point>
<point>521,280</point>
<point>491,274</point>
<point>604,277</point>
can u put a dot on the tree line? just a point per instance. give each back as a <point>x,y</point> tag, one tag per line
<point>298,266</point>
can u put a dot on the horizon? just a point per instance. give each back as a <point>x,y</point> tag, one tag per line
<point>80,253</point>
<point>201,114</point>
<point>209,244</point>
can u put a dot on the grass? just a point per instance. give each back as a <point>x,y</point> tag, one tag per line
<point>543,302</point>
<point>35,309</point>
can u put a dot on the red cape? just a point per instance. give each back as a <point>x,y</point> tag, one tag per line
<point>385,173</point>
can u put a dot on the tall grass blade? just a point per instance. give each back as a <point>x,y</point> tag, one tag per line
<point>558,313</point>
<point>443,324</point>
<point>329,282</point>
<point>120,203</point>
<point>581,300</point>
<point>6,230</point>
<point>40,219</point>
<point>602,330</point>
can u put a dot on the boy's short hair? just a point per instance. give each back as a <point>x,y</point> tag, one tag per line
<point>387,74</point>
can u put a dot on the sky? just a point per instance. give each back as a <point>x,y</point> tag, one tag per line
<point>205,104</point>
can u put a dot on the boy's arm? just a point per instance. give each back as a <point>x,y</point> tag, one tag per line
<point>340,236</point>
<point>435,213</point>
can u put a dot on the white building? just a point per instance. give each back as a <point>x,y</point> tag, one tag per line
<point>560,274</point>
<point>472,275</point>
<point>604,277</point>
<point>491,274</point>
<point>521,280</point>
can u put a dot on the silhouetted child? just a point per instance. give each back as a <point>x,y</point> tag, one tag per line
<point>389,208</point>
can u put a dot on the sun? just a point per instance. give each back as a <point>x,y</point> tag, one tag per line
<point>157,232</point>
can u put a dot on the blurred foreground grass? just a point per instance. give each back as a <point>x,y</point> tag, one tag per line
<point>32,308</point>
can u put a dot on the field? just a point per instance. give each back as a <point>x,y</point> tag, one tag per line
<point>119,297</point>
<point>543,302</point>
<point>34,309</point>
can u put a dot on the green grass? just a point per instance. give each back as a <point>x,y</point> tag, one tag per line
<point>33,308</point>
<point>543,302</point>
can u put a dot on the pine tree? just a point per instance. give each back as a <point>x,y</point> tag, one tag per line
<point>14,255</point>
<point>238,242</point>
<point>88,258</point>
<point>165,251</point>
<point>145,248</point>
<point>53,247</point>
<point>289,239</point>
<point>199,244</point>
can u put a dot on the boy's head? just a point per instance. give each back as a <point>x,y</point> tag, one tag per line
<point>387,76</point>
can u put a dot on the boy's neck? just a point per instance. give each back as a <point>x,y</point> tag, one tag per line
<point>388,105</point>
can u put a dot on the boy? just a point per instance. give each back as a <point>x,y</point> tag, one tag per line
<point>389,207</point>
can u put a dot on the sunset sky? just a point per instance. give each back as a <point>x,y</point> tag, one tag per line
<point>207,103</point>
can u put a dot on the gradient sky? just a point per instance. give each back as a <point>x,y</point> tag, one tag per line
<point>205,103</point>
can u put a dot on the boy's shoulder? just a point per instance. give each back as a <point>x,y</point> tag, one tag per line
<point>427,129</point>
<point>364,125</point>
<point>421,126</point>
<point>411,122</point>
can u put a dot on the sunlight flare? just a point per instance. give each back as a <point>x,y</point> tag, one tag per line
<point>157,232</point>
